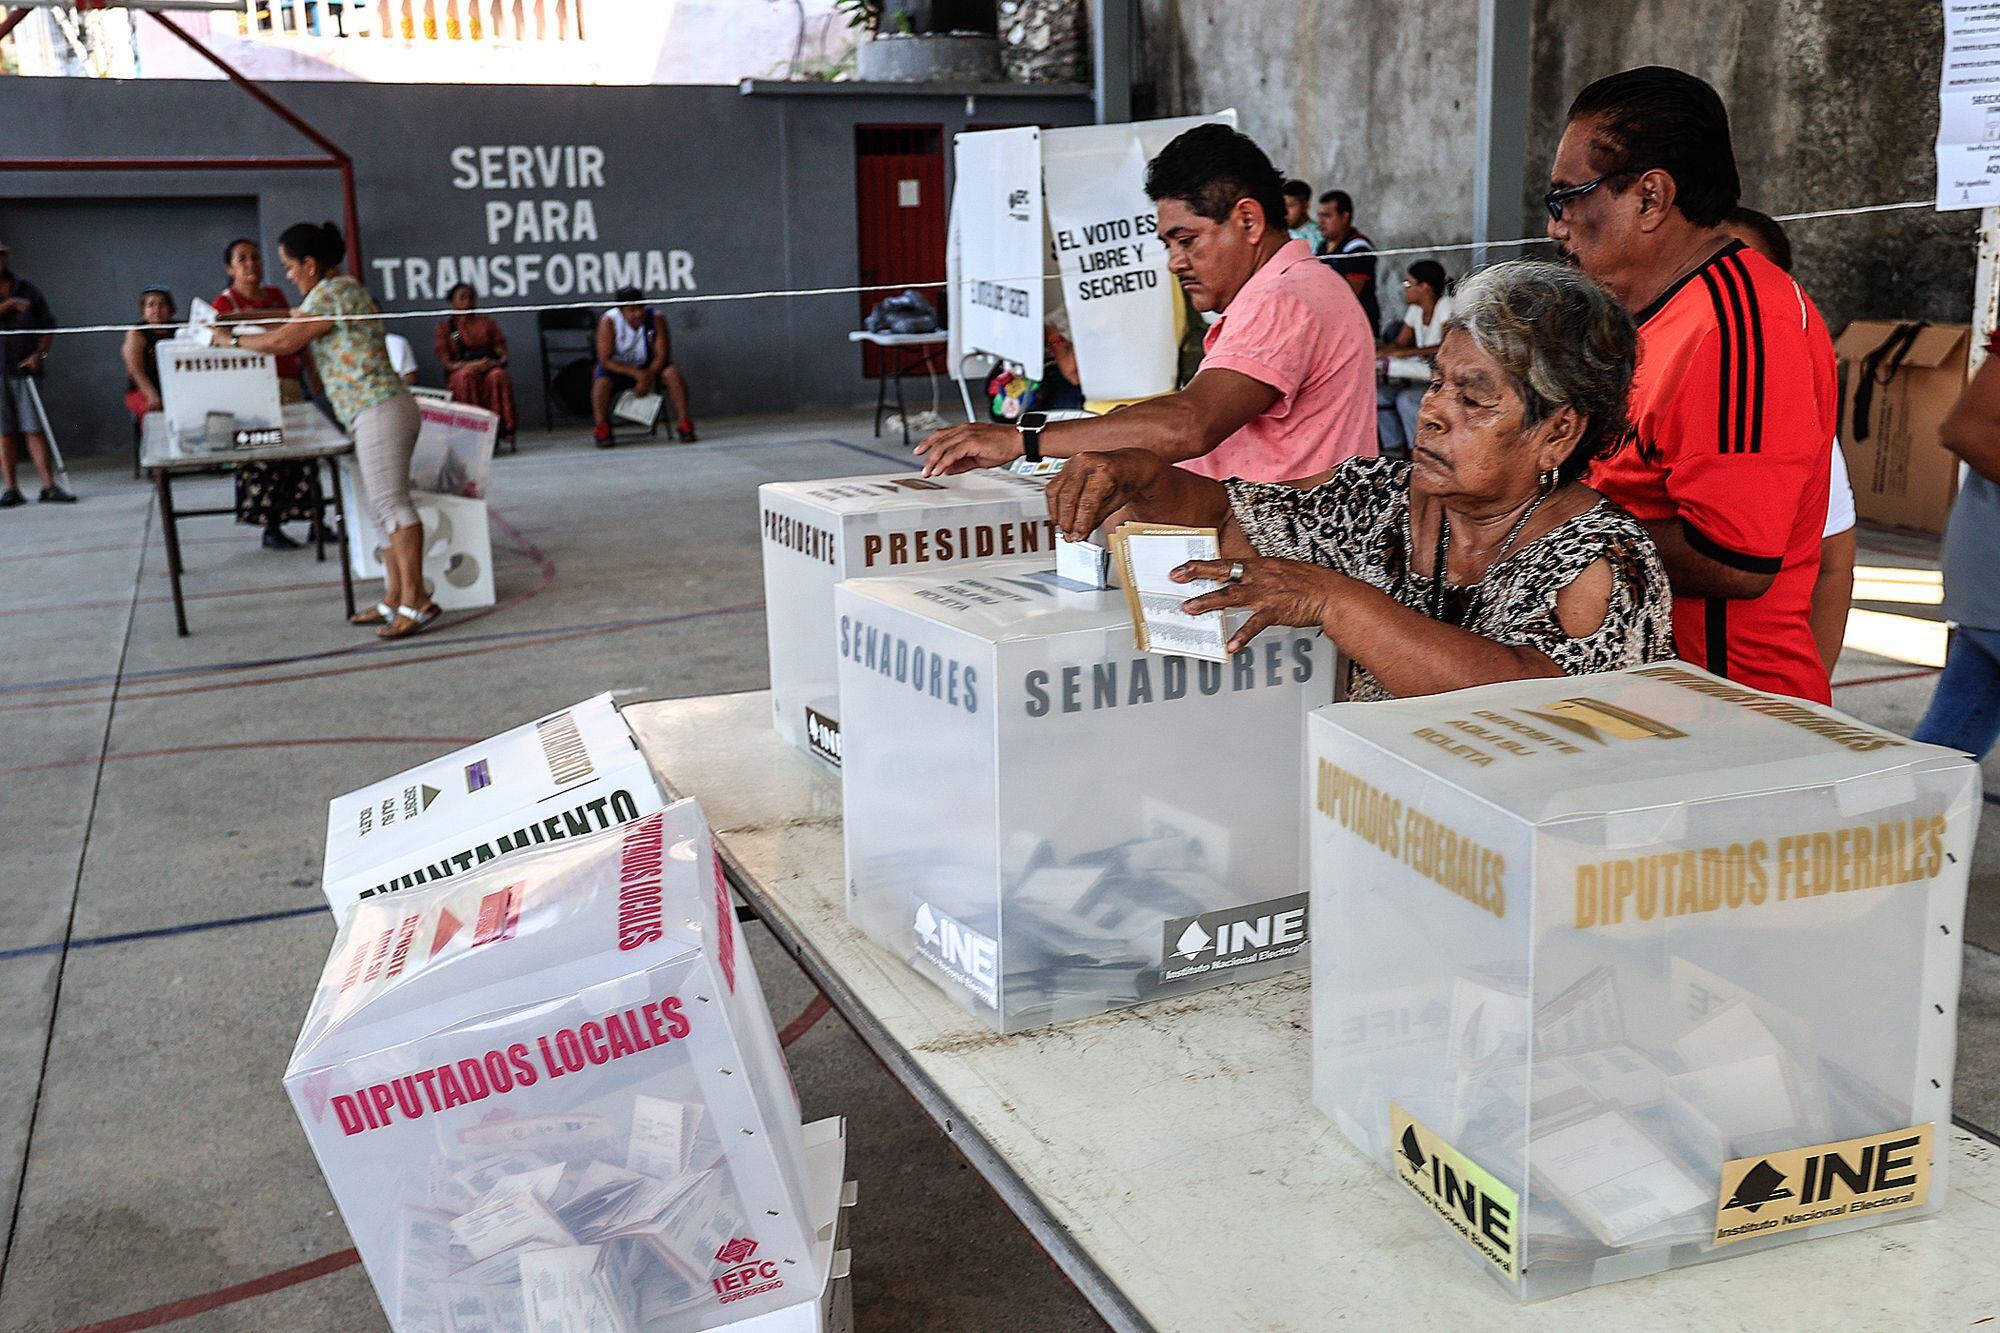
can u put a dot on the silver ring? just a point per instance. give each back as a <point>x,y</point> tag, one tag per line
<point>1236,571</point>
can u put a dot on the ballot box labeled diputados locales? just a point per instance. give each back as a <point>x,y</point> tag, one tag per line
<point>568,775</point>
<point>1626,972</point>
<point>547,1096</point>
<point>817,533</point>
<point>1049,823</point>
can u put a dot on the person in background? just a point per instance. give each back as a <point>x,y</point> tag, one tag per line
<point>1406,357</point>
<point>1350,254</point>
<point>268,495</point>
<point>1486,558</point>
<point>635,351</point>
<point>1833,590</point>
<point>1298,214</point>
<point>1734,400</point>
<point>1286,385</point>
<point>1965,712</point>
<point>23,357</point>
<point>473,352</point>
<point>140,351</point>
<point>402,356</point>
<point>370,399</point>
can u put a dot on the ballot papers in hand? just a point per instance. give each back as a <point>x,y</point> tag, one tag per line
<point>1147,554</point>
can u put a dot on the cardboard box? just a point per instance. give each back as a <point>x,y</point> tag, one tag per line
<point>817,533</point>
<point>458,542</point>
<point>1626,972</point>
<point>548,1095</point>
<point>567,775</point>
<point>1049,823</point>
<point>1898,384</point>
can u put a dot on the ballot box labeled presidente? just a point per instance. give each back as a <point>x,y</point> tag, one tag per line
<point>1626,972</point>
<point>817,533</point>
<point>1050,823</point>
<point>568,775</point>
<point>547,1096</point>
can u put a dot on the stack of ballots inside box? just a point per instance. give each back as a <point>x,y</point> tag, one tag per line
<point>547,1096</point>
<point>1625,972</point>
<point>1047,821</point>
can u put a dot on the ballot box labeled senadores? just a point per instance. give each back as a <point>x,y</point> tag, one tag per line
<point>568,775</point>
<point>548,1096</point>
<point>1626,972</point>
<point>817,533</point>
<point>1049,823</point>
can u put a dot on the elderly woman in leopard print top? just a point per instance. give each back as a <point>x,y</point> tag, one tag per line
<point>1485,557</point>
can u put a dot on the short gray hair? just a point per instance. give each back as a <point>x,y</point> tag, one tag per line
<point>1563,340</point>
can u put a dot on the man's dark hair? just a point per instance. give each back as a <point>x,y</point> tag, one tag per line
<point>628,296</point>
<point>1297,189</point>
<point>1210,167</point>
<point>1766,229</point>
<point>1655,117</point>
<point>1340,199</point>
<point>229,250</point>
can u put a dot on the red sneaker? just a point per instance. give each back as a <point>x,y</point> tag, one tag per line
<point>686,431</point>
<point>601,433</point>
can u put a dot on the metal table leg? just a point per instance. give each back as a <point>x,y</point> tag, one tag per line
<point>340,509</point>
<point>163,489</point>
<point>902,363</point>
<point>319,516</point>
<point>881,392</point>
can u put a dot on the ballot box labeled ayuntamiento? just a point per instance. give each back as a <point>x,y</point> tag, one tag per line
<point>547,1095</point>
<point>568,775</point>
<point>1625,972</point>
<point>817,533</point>
<point>1050,823</point>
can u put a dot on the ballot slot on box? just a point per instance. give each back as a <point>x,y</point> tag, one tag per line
<point>817,533</point>
<point>1626,972</point>
<point>1049,823</point>
<point>548,1095</point>
<point>573,773</point>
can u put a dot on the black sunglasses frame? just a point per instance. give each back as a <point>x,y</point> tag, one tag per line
<point>1555,200</point>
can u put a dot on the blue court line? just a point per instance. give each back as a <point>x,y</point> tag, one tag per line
<point>1990,798</point>
<point>491,636</point>
<point>192,927</point>
<point>907,463</point>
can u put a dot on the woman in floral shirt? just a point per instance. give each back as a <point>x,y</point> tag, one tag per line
<point>335,320</point>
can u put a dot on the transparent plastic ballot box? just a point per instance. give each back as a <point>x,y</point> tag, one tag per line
<point>817,533</point>
<point>1049,823</point>
<point>570,774</point>
<point>548,1094</point>
<point>1625,972</point>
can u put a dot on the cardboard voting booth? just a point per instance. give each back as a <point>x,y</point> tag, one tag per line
<point>458,542</point>
<point>817,533</point>
<point>1626,972</point>
<point>216,399</point>
<point>1899,384</point>
<point>454,451</point>
<point>1049,823</point>
<point>567,775</point>
<point>549,1096</point>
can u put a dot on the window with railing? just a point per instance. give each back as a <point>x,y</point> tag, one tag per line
<point>417,20</point>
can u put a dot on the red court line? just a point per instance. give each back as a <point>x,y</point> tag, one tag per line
<point>1883,680</point>
<point>57,608</point>
<point>811,1014</point>
<point>238,745</point>
<point>215,1300</point>
<point>123,546</point>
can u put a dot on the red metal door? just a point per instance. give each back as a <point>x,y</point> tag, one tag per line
<point>900,215</point>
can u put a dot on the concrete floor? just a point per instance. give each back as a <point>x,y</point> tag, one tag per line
<point>163,808</point>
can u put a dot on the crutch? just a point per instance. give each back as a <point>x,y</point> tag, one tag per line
<point>49,434</point>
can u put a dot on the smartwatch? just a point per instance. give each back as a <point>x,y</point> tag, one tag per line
<point>1031,435</point>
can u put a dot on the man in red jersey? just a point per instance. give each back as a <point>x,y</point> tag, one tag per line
<point>1735,395</point>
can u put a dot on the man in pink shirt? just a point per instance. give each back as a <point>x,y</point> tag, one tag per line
<point>1286,389</point>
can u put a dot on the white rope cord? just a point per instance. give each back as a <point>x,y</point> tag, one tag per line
<point>708,298</point>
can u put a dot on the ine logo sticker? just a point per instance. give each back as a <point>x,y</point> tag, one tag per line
<point>1805,1187</point>
<point>963,954</point>
<point>1193,946</point>
<point>823,736</point>
<point>1475,1204</point>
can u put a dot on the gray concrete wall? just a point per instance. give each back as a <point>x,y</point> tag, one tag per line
<point>1832,103</point>
<point>730,192</point>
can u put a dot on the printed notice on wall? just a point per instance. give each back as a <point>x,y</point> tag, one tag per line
<point>1968,142</point>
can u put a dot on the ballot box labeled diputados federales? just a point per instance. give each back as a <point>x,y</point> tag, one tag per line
<point>570,774</point>
<point>1626,972</point>
<point>1049,823</point>
<point>547,1096</point>
<point>817,533</point>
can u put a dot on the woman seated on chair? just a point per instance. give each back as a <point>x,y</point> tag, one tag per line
<point>473,352</point>
<point>142,351</point>
<point>1483,559</point>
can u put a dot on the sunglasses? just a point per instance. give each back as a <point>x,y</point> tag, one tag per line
<point>1556,200</point>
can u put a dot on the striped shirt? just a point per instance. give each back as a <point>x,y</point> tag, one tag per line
<point>1732,406</point>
